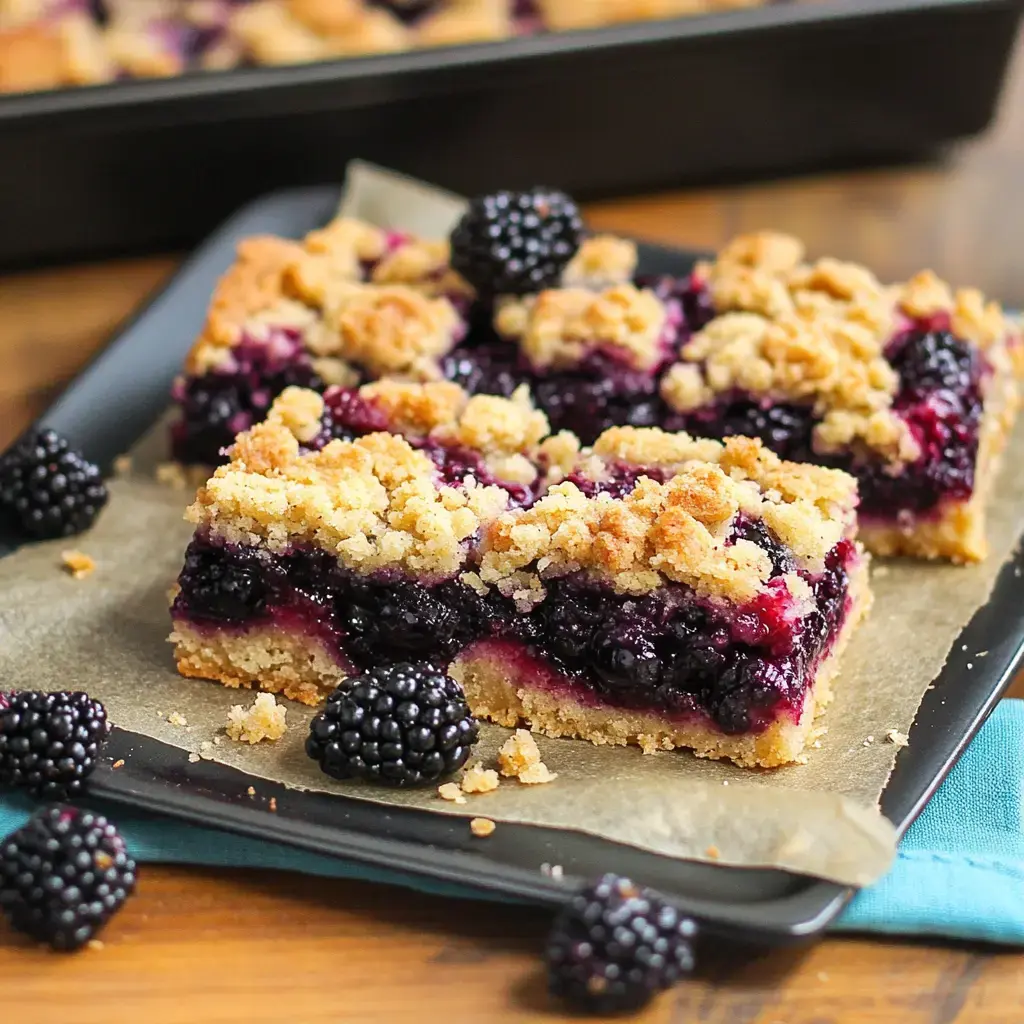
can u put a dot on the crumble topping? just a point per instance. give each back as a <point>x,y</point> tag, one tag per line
<point>265,720</point>
<point>836,366</point>
<point>676,530</point>
<point>500,426</point>
<point>559,327</point>
<point>387,329</point>
<point>331,258</point>
<point>600,262</point>
<point>373,502</point>
<point>482,827</point>
<point>466,21</point>
<point>422,265</point>
<point>537,775</point>
<point>413,408</point>
<point>252,285</point>
<point>77,563</point>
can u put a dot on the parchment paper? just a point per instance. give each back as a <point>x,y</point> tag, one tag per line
<point>107,633</point>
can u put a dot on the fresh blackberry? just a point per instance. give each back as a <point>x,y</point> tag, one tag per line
<point>49,742</point>
<point>63,875</point>
<point>48,489</point>
<point>402,725</point>
<point>613,946</point>
<point>516,243</point>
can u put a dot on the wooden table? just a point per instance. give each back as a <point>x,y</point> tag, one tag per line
<point>204,947</point>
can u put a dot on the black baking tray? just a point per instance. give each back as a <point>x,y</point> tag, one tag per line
<point>787,87</point>
<point>125,390</point>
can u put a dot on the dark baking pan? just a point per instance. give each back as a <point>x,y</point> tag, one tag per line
<point>420,848</point>
<point>777,89</point>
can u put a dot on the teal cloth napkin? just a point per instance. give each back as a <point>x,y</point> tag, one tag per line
<point>959,871</point>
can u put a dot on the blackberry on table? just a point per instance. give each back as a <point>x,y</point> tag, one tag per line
<point>516,243</point>
<point>63,875</point>
<point>49,742</point>
<point>402,725</point>
<point>48,489</point>
<point>614,945</point>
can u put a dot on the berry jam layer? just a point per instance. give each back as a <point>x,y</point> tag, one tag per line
<point>690,663</point>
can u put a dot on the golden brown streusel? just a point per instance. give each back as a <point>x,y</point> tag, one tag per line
<point>482,827</point>
<point>332,258</point>
<point>373,502</point>
<point>253,284</point>
<point>422,265</point>
<point>386,329</point>
<point>77,563</point>
<point>465,21</point>
<point>264,720</point>
<point>558,328</point>
<point>600,262</point>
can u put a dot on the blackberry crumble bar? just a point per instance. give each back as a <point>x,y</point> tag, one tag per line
<point>651,589</point>
<point>47,44</point>
<point>911,388</point>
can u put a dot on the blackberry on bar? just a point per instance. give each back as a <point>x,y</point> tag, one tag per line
<point>614,946</point>
<point>516,243</point>
<point>49,742</point>
<point>63,876</point>
<point>47,489</point>
<point>402,725</point>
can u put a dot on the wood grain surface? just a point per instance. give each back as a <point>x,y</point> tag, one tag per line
<point>209,946</point>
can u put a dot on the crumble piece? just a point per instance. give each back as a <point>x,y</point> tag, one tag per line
<point>518,753</point>
<point>450,791</point>
<point>273,805</point>
<point>77,563</point>
<point>478,779</point>
<point>193,758</point>
<point>123,465</point>
<point>177,718</point>
<point>482,827</point>
<point>251,791</point>
<point>537,775</point>
<point>897,739</point>
<point>117,764</point>
<point>713,852</point>
<point>265,720</point>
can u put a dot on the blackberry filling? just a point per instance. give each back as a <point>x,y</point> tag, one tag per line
<point>220,404</point>
<point>667,651</point>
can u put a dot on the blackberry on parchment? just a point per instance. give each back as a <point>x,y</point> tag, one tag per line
<point>614,946</point>
<point>47,489</point>
<point>63,875</point>
<point>516,243</point>
<point>402,725</point>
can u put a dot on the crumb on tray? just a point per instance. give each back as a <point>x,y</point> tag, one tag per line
<point>122,465</point>
<point>481,827</point>
<point>172,474</point>
<point>251,791</point>
<point>537,774</point>
<point>77,563</point>
<point>450,791</point>
<point>273,804</point>
<point>118,764</point>
<point>519,757</point>
<point>265,720</point>
<point>478,779</point>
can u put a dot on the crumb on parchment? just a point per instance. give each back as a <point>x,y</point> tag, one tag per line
<point>713,852</point>
<point>897,739</point>
<point>450,791</point>
<point>77,563</point>
<point>519,757</point>
<point>122,465</point>
<point>478,779</point>
<point>265,720</point>
<point>481,827</point>
<point>177,718</point>
<point>193,758</point>
<point>537,774</point>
